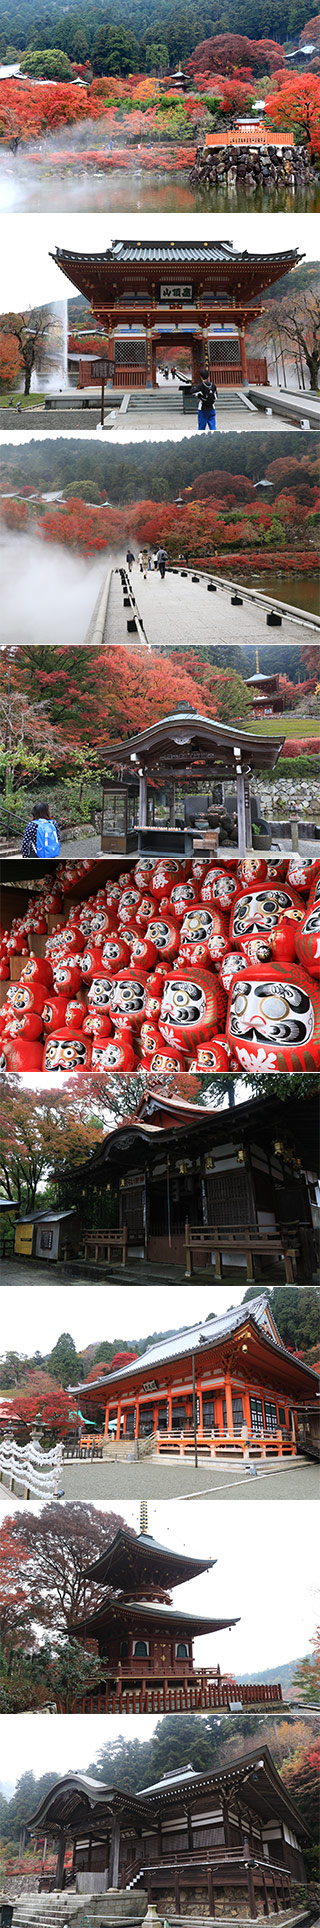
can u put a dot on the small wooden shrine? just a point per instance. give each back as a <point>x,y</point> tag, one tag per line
<point>229,1840</point>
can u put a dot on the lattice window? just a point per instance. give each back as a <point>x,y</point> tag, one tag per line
<point>225,352</point>
<point>130,353</point>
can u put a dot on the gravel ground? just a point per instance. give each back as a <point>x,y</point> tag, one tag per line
<point>170,1479</point>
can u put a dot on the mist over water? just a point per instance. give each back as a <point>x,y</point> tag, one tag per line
<point>47,593</point>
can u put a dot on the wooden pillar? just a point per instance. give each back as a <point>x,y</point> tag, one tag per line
<point>136,1431</point>
<point>58,1880</point>
<point>228,1398</point>
<point>142,800</point>
<point>177,1890</point>
<point>251,1893</point>
<point>241,813</point>
<point>106,1423</point>
<point>172,804</point>
<point>89,1853</point>
<point>154,362</point>
<point>170,1410</point>
<point>226,1824</point>
<point>210,1892</point>
<point>118,1420</point>
<point>114,1854</point>
<point>200,1398</point>
<point>111,357</point>
<point>243,355</point>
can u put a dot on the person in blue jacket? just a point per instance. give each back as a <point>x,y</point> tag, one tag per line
<point>41,835</point>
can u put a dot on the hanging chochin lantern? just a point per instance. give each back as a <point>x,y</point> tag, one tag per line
<point>66,1050</point>
<point>273,1019</point>
<point>193,1004</point>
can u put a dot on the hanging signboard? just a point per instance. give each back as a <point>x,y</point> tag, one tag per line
<point>176,291</point>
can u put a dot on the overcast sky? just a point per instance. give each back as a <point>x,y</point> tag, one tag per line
<point>276,1621</point>
<point>29,276</point>
<point>32,1321</point>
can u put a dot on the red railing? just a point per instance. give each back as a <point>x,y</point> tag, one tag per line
<point>192,1695</point>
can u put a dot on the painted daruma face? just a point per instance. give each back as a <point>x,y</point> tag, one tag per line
<point>198,927</point>
<point>274,1020</point>
<point>191,1008</point>
<point>164,934</point>
<point>115,955</point>
<point>65,1052</point>
<point>127,1001</point>
<point>100,993</point>
<point>114,1055</point>
<point>218,888</point>
<point>258,911</point>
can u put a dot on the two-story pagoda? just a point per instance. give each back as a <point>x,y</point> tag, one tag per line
<point>144,1640</point>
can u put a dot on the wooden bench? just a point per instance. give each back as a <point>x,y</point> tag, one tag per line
<point>100,1245</point>
<point>240,1239</point>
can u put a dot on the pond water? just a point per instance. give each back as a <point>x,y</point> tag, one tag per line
<point>30,186</point>
<point>301,591</point>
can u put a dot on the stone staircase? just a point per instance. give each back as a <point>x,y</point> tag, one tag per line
<point>114,1909</point>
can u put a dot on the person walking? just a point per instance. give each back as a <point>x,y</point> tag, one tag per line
<point>130,558</point>
<point>145,562</point>
<point>41,835</point>
<point>207,397</point>
<point>162,559</point>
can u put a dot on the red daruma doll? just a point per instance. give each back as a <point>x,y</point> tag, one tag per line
<point>127,1001</point>
<point>64,1051</point>
<point>113,1054</point>
<point>273,1019</point>
<point>192,1006</point>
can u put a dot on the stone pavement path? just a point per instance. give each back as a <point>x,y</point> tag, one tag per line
<point>179,613</point>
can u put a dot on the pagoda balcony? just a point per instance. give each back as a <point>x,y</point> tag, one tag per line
<point>205,1690</point>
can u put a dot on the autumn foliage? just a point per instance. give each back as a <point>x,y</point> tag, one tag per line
<point>295,104</point>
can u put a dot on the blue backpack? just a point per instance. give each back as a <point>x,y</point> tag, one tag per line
<point>48,841</point>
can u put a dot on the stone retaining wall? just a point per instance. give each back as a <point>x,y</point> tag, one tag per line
<point>255,169</point>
